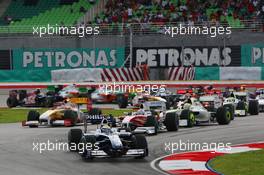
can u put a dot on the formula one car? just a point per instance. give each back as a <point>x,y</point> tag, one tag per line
<point>104,95</point>
<point>61,116</point>
<point>260,98</point>
<point>141,98</point>
<point>107,142</point>
<point>151,118</point>
<point>171,98</point>
<point>32,99</point>
<point>193,113</point>
<point>74,91</point>
<point>213,101</point>
<point>244,104</point>
<point>66,115</point>
<point>52,96</point>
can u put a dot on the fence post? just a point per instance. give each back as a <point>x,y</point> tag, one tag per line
<point>131,45</point>
<point>182,53</point>
<point>253,61</point>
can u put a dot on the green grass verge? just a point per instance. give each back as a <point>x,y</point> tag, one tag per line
<point>115,113</point>
<point>247,163</point>
<point>17,115</point>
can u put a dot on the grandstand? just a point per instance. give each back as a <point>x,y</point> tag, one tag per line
<point>26,15</point>
<point>190,12</point>
<point>21,15</point>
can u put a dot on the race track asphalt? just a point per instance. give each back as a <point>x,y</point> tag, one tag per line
<point>17,155</point>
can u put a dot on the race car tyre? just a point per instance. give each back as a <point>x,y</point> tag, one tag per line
<point>71,115</point>
<point>74,137</point>
<point>223,116</point>
<point>22,94</point>
<point>171,121</point>
<point>12,102</point>
<point>141,143</point>
<point>33,115</point>
<point>152,121</point>
<point>253,107</point>
<point>187,114</point>
<point>231,109</point>
<point>87,141</point>
<point>122,101</point>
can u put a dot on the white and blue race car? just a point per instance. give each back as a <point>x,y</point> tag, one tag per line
<point>108,142</point>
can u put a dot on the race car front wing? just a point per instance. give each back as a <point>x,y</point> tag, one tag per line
<point>129,153</point>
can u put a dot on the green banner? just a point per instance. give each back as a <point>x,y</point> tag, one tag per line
<point>68,58</point>
<point>25,75</point>
<point>252,55</point>
<point>207,73</point>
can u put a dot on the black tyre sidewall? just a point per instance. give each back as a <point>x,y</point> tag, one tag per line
<point>141,143</point>
<point>12,102</point>
<point>253,107</point>
<point>33,115</point>
<point>71,115</point>
<point>171,122</point>
<point>221,116</point>
<point>74,137</point>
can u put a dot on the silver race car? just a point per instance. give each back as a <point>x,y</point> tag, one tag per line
<point>194,112</point>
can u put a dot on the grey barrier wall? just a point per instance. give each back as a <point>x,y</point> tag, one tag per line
<point>236,38</point>
<point>61,42</point>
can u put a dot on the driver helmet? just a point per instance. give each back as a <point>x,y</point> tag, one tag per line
<point>37,91</point>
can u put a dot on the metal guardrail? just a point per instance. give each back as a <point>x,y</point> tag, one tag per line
<point>137,28</point>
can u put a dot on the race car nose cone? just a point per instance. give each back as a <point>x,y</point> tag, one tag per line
<point>116,142</point>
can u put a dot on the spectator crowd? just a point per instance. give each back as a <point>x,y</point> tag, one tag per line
<point>185,11</point>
